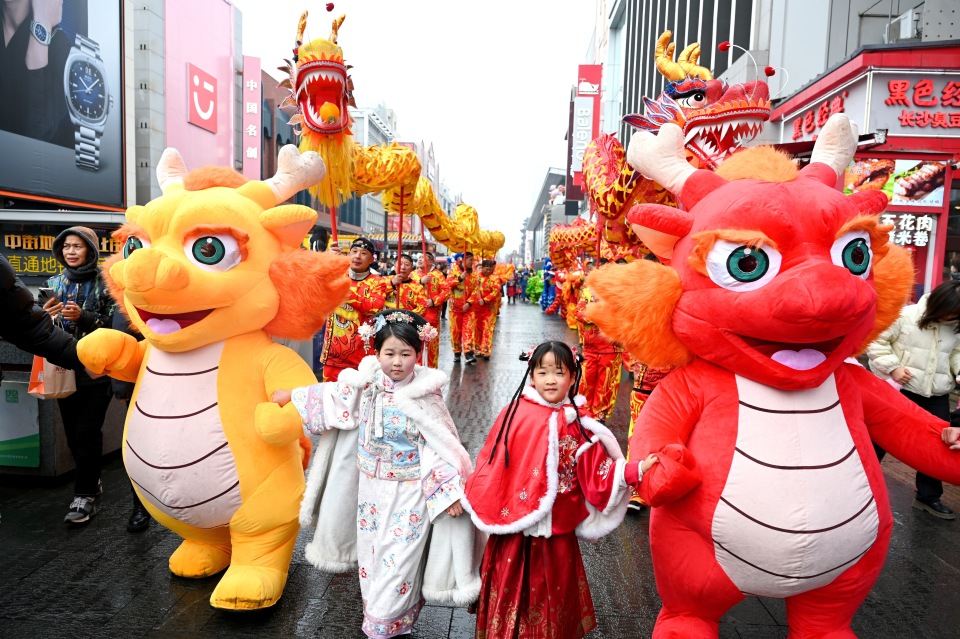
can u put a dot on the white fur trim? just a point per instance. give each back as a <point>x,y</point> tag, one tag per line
<point>312,555</point>
<point>531,393</point>
<point>546,504</point>
<point>599,523</point>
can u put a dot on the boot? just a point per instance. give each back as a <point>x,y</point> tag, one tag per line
<point>139,519</point>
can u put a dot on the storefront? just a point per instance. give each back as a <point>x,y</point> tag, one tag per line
<point>909,97</point>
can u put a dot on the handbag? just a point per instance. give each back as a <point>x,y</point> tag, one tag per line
<point>49,381</point>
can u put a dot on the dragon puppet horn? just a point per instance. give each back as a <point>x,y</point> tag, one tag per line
<point>686,65</point>
<point>171,169</point>
<point>836,143</point>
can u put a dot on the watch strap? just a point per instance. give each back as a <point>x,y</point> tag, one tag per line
<point>86,141</point>
<point>86,145</point>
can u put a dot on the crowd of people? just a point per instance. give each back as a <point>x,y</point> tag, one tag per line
<point>550,471</point>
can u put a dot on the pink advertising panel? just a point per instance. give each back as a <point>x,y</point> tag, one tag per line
<point>252,102</point>
<point>200,80</point>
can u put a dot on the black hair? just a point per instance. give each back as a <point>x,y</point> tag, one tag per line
<point>943,305</point>
<point>406,332</point>
<point>562,354</point>
<point>468,254</point>
<point>430,255</point>
<point>405,256</point>
<point>487,263</point>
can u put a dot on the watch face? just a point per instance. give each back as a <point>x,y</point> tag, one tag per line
<point>87,92</point>
<point>40,31</point>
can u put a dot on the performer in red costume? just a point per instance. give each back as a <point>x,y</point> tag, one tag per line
<point>645,379</point>
<point>485,304</point>
<point>434,284</point>
<point>461,282</point>
<point>342,345</point>
<point>540,483</point>
<point>768,482</point>
<point>405,291</point>
<point>602,363</point>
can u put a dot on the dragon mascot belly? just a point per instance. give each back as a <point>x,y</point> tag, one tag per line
<point>767,482</point>
<point>208,274</point>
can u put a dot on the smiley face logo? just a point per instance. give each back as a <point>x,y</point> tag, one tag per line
<point>202,98</point>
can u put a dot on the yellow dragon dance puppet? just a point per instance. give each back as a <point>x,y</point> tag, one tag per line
<point>209,272</point>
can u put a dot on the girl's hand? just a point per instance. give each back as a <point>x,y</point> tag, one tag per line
<point>455,509</point>
<point>951,437</point>
<point>71,312</point>
<point>648,463</point>
<point>281,397</point>
<point>901,375</point>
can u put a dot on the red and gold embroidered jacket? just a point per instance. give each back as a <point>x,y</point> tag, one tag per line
<point>407,295</point>
<point>342,345</point>
<point>460,291</point>
<point>437,291</point>
<point>488,290</point>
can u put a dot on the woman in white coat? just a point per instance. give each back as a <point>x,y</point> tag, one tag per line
<point>921,352</point>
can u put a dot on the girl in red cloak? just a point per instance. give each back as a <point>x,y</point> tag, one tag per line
<point>540,483</point>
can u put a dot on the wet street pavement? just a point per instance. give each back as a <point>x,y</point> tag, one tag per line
<point>100,581</point>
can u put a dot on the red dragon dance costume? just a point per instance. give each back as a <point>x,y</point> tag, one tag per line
<point>437,291</point>
<point>602,363</point>
<point>461,321</point>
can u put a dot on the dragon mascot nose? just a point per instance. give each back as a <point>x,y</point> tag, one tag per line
<point>146,269</point>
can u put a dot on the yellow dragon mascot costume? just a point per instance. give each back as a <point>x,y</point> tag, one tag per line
<point>208,273</point>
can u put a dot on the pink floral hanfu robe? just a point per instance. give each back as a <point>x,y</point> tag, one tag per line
<point>408,467</point>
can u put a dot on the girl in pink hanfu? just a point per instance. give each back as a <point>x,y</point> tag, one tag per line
<point>390,451</point>
<point>541,482</point>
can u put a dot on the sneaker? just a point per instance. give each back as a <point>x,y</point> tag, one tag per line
<point>99,487</point>
<point>456,358</point>
<point>935,508</point>
<point>486,358</point>
<point>636,503</point>
<point>471,358</point>
<point>81,510</point>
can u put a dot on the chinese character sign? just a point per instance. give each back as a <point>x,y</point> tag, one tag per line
<point>906,182</point>
<point>909,229</point>
<point>917,103</point>
<point>251,117</point>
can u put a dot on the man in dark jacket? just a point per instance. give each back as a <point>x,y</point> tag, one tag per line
<point>29,327</point>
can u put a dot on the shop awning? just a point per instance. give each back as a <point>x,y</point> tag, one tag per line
<point>804,149</point>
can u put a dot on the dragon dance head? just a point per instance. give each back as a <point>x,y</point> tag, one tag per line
<point>322,91</point>
<point>717,118</point>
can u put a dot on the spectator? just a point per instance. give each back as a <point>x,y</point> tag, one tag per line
<point>82,305</point>
<point>921,352</point>
<point>26,326</point>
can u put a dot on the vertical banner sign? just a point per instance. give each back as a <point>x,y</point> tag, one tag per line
<point>585,126</point>
<point>201,98</point>
<point>251,117</point>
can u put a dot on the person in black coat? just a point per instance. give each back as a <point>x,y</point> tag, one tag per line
<point>29,327</point>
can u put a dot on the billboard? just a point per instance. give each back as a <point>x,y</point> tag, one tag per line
<point>584,125</point>
<point>61,104</point>
<point>905,182</point>
<point>201,82</point>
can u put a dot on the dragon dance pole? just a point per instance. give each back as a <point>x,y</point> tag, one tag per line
<point>423,241</point>
<point>333,227</point>
<point>400,227</point>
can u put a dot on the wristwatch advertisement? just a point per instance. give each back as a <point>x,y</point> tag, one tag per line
<point>43,35</point>
<point>88,100</point>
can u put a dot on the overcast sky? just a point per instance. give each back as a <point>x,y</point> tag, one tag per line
<point>488,83</point>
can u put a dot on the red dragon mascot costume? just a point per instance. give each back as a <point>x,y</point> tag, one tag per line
<point>768,483</point>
